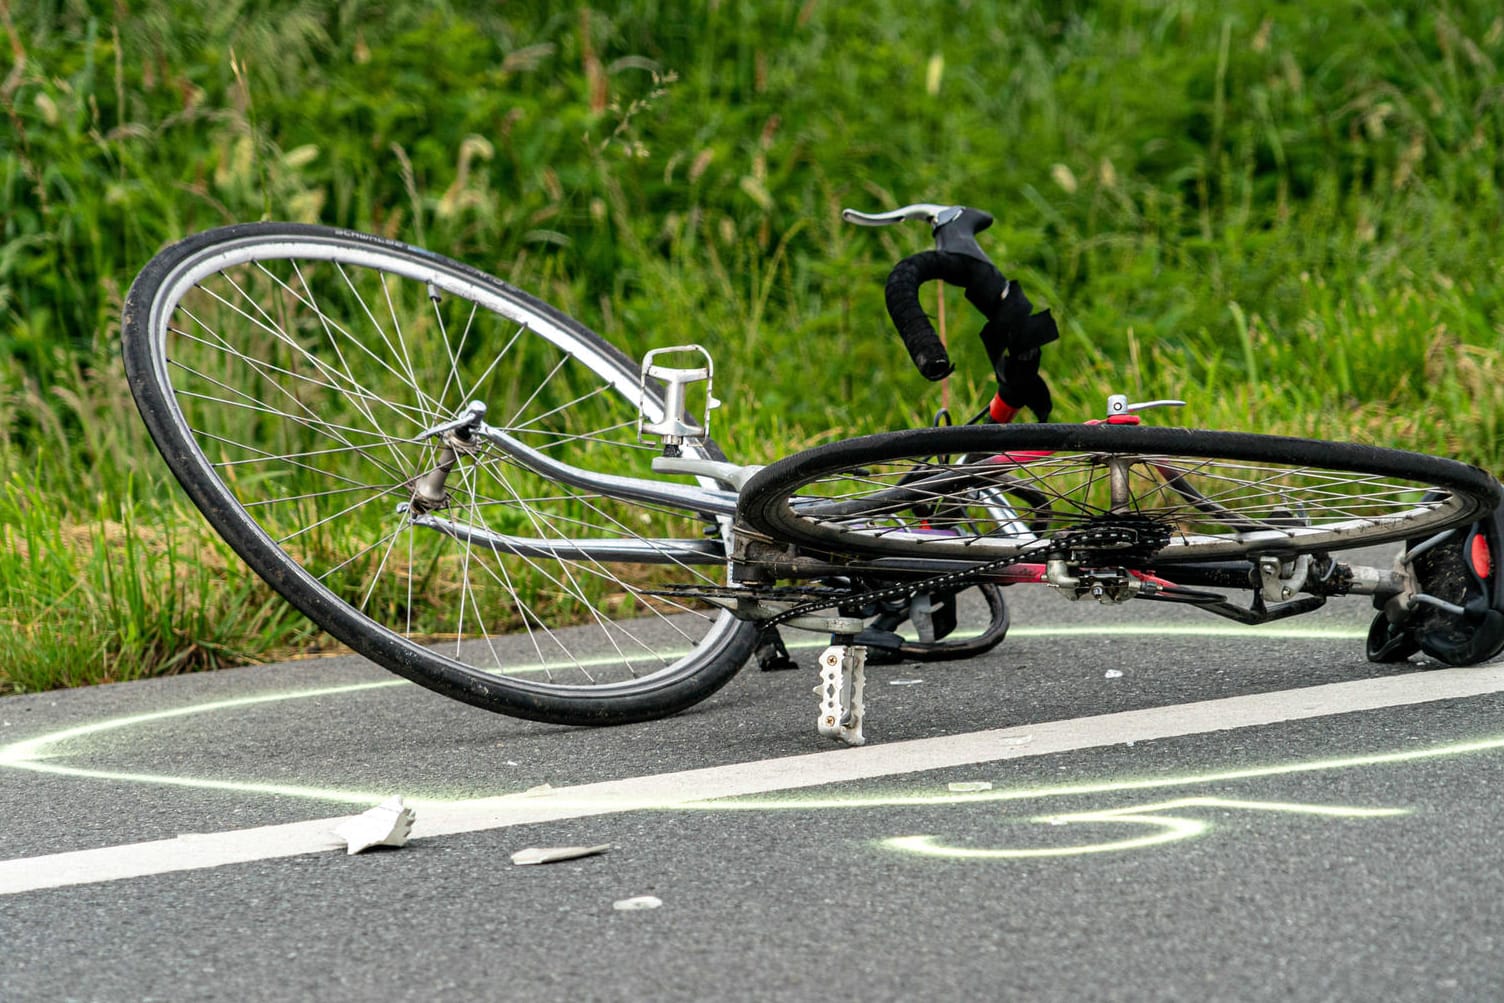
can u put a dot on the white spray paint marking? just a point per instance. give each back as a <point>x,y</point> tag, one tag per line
<point>191,852</point>
<point>46,753</point>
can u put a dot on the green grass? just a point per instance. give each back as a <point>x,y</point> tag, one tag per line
<point>1287,214</point>
<point>122,597</point>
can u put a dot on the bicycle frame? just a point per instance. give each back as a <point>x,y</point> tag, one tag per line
<point>283,369</point>
<point>1268,578</point>
<point>458,436</point>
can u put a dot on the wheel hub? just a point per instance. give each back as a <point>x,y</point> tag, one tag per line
<point>1116,538</point>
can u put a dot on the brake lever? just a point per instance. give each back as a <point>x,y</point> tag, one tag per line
<point>955,226</point>
<point>934,215</point>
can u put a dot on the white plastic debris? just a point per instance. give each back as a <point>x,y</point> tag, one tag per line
<point>551,854</point>
<point>904,682</point>
<point>966,786</point>
<point>1114,673</point>
<point>388,824</point>
<point>639,902</point>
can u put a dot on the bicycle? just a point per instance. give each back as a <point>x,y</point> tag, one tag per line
<point>478,493</point>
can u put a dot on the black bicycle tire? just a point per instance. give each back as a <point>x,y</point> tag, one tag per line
<point>765,503</point>
<point>143,333</point>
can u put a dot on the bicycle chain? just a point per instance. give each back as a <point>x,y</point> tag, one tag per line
<point>818,597</point>
<point>1079,539</point>
<point>767,593</point>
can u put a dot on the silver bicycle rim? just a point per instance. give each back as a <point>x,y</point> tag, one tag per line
<point>985,507</point>
<point>322,378</point>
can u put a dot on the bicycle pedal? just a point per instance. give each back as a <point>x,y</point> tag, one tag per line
<point>933,616</point>
<point>675,425</point>
<point>840,691</point>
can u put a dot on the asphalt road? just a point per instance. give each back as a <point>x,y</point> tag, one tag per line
<point>1179,809</point>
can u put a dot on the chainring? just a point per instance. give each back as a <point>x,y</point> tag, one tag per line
<point>826,596</point>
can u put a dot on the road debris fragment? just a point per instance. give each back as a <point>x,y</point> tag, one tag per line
<point>553,854</point>
<point>388,824</point>
<point>639,902</point>
<point>965,786</point>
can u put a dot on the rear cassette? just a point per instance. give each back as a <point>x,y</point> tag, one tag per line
<point>1117,539</point>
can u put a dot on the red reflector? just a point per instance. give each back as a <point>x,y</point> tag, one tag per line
<point>1483,564</point>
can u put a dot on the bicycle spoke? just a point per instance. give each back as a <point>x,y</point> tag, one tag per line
<point>303,381</point>
<point>986,501</point>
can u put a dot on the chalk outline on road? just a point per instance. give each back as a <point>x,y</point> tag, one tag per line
<point>34,753</point>
<point>706,788</point>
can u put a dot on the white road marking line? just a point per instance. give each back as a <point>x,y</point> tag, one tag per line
<point>195,851</point>
<point>47,752</point>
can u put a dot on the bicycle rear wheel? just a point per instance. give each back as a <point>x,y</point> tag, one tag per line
<point>286,372</point>
<point>986,492</point>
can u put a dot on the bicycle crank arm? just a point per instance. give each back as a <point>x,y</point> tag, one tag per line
<point>1213,603</point>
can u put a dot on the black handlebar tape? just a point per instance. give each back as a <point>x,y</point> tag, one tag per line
<point>984,286</point>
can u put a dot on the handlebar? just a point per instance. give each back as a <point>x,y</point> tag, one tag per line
<point>1012,335</point>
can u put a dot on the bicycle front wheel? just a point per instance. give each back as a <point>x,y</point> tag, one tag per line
<point>287,373</point>
<point>985,492</point>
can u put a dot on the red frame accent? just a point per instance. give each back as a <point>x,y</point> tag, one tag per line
<point>1000,410</point>
<point>1034,574</point>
